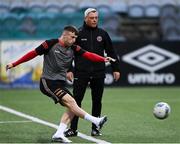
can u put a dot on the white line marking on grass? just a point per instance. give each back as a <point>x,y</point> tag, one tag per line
<point>4,122</point>
<point>83,136</point>
<point>37,120</point>
<point>34,119</point>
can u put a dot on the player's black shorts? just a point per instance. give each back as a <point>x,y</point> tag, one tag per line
<point>55,89</point>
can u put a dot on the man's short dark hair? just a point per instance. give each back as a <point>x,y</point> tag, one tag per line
<point>71,28</point>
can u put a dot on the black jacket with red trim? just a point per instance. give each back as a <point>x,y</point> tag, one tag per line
<point>94,40</point>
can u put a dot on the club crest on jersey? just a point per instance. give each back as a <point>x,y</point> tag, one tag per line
<point>99,38</point>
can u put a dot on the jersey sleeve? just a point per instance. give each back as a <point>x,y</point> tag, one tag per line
<point>78,50</point>
<point>88,55</point>
<point>45,46</point>
<point>28,56</point>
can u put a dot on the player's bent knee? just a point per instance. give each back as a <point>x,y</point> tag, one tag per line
<point>68,100</point>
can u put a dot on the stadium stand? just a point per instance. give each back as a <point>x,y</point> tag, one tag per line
<point>10,22</point>
<point>168,10</point>
<point>4,7</point>
<point>36,7</point>
<point>52,7</point>
<point>171,34</point>
<point>136,11</point>
<point>86,4</point>
<point>104,9</point>
<point>69,8</point>
<point>167,22</point>
<point>18,7</point>
<point>27,28</point>
<point>152,11</point>
<point>120,8</point>
<point>111,23</point>
<point>124,20</point>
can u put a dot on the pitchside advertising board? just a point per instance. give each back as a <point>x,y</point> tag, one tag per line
<point>141,64</point>
<point>148,64</point>
<point>26,75</point>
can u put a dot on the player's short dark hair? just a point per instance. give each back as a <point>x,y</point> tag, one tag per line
<point>71,28</point>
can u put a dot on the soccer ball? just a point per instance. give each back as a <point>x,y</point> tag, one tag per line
<point>161,110</point>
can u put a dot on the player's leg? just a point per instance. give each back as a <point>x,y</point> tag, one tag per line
<point>72,106</point>
<point>59,134</point>
<point>97,88</point>
<point>79,88</point>
<point>74,109</point>
<point>57,91</point>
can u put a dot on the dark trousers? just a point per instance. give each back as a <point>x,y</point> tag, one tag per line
<point>79,89</point>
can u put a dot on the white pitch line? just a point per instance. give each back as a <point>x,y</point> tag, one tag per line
<point>99,141</point>
<point>4,122</point>
<point>37,120</point>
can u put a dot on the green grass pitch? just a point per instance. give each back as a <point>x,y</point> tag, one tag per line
<point>129,111</point>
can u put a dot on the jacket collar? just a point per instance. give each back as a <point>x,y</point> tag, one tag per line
<point>88,27</point>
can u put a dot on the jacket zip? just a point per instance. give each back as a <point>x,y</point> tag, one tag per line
<point>92,49</point>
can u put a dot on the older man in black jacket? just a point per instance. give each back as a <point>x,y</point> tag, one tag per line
<point>97,40</point>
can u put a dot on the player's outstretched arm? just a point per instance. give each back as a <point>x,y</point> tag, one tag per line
<point>30,55</point>
<point>97,58</point>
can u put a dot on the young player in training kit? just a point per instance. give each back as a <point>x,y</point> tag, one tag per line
<point>58,56</point>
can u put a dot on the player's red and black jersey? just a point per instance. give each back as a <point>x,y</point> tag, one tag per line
<point>57,59</point>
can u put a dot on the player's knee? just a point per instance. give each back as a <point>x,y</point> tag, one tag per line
<point>72,101</point>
